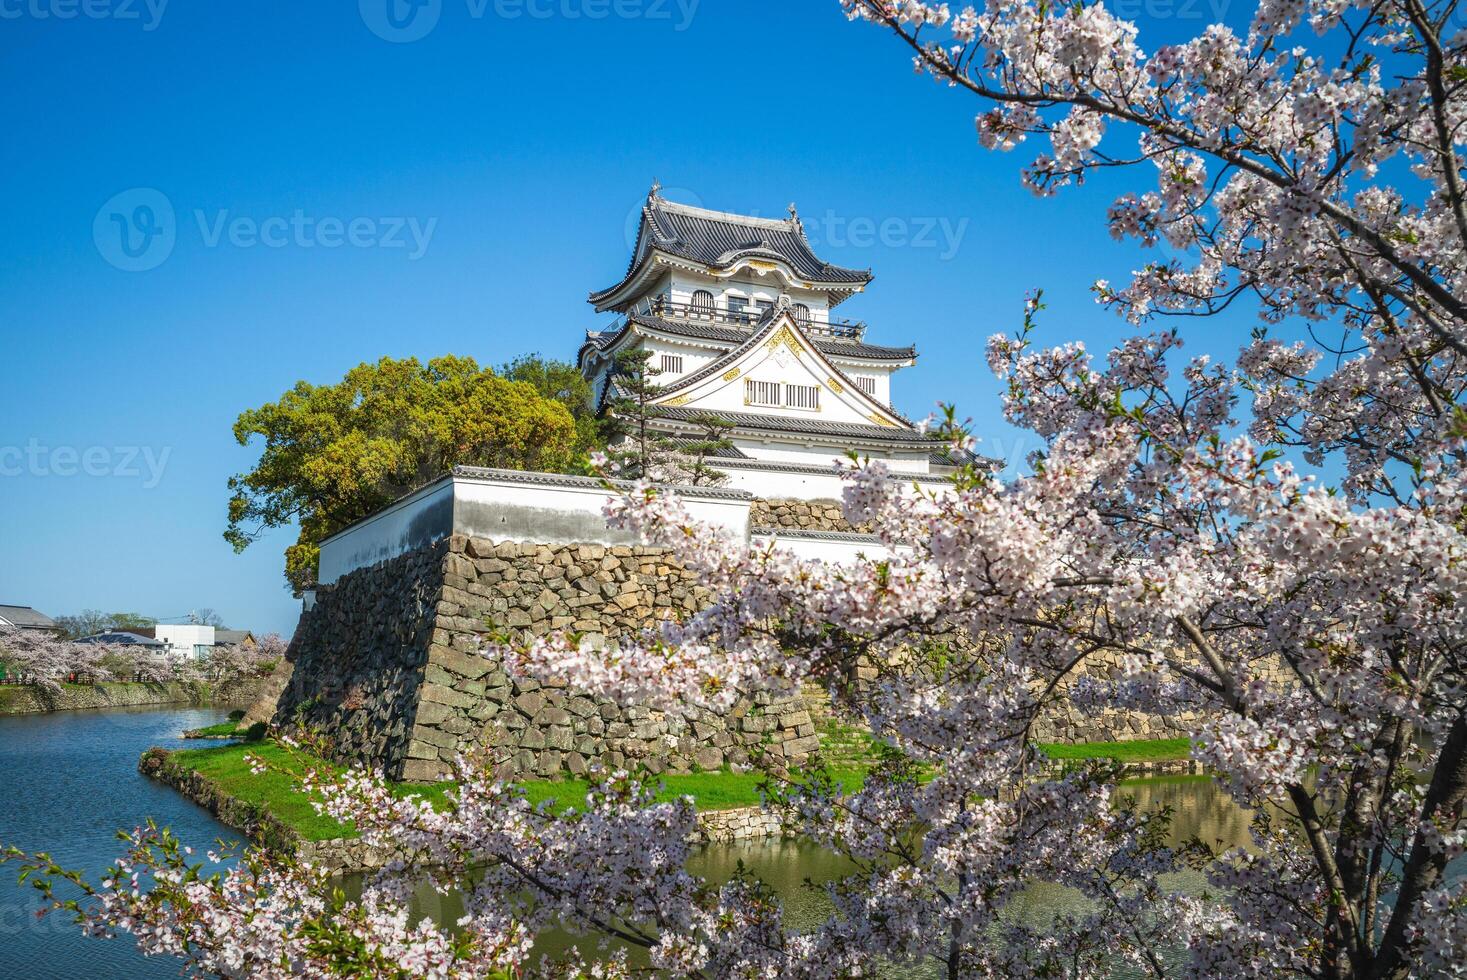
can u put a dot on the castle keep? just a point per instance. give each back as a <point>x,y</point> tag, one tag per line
<point>737,312</point>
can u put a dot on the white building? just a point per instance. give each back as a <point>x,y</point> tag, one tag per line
<point>737,312</point>
<point>186,640</point>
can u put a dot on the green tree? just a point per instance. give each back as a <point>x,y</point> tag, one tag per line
<point>563,382</point>
<point>693,454</point>
<point>90,622</point>
<point>636,448</point>
<point>334,454</point>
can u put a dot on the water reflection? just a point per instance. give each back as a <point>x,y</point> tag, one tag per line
<point>1200,809</point>
<point>68,781</point>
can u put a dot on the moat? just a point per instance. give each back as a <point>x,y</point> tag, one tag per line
<point>70,781</point>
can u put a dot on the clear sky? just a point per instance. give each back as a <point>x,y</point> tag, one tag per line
<point>345,185</point>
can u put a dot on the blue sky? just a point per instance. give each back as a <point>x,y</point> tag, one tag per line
<point>473,185</point>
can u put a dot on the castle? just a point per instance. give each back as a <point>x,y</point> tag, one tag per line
<point>737,314</point>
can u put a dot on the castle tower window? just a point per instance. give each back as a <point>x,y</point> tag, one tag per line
<point>736,304</point>
<point>866,383</point>
<point>802,396</point>
<point>671,364</point>
<point>802,314</point>
<point>763,306</point>
<point>761,392</point>
<point>703,302</point>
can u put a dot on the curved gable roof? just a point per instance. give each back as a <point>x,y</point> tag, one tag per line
<point>720,239</point>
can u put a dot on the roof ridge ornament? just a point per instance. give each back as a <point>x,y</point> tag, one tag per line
<point>656,186</point>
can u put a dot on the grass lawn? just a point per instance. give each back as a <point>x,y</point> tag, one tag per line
<point>1140,750</point>
<point>276,791</point>
<point>709,790</point>
<point>225,729</point>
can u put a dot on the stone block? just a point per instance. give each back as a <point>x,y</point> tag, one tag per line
<point>530,703</point>
<point>552,716</point>
<point>801,746</point>
<point>439,694</point>
<point>432,713</point>
<point>460,567</point>
<point>424,770</point>
<point>469,666</point>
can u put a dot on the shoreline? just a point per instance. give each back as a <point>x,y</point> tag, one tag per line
<point>347,855</point>
<point>350,854</point>
<point>17,700</point>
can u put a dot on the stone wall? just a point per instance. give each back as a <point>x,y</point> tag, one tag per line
<point>800,515</point>
<point>1063,722</point>
<point>359,656</point>
<point>26,700</point>
<point>387,665</point>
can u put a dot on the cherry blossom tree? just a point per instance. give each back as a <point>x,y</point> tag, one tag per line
<point>1178,522</point>
<point>47,660</point>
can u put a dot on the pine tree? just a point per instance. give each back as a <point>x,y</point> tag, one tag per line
<point>636,448</point>
<point>693,465</point>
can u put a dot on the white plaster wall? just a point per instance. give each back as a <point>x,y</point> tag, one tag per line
<point>820,549</point>
<point>417,519</point>
<point>527,512</point>
<point>750,286</point>
<point>501,510</point>
<point>771,484</point>
<point>882,375</point>
<point>792,452</point>
<point>694,358</point>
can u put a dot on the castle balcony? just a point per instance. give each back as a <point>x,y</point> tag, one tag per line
<point>661,306</point>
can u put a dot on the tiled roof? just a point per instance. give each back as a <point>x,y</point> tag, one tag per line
<point>748,421</point>
<point>26,618</point>
<point>735,336</point>
<point>727,452</point>
<point>719,239</point>
<point>587,482</point>
<point>127,638</point>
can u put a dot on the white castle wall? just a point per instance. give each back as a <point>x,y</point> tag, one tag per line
<point>506,505</point>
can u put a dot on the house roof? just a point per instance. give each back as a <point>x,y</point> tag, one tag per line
<point>733,336</point>
<point>26,618</point>
<point>724,452</point>
<point>720,239</point>
<point>224,637</point>
<point>753,423</point>
<point>129,638</point>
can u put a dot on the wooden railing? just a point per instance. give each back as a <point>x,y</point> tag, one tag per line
<point>746,317</point>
